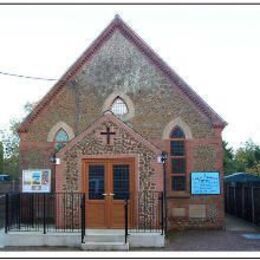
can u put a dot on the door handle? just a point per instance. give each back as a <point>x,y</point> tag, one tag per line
<point>110,194</point>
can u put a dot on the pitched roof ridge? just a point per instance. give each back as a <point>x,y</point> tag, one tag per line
<point>118,23</point>
<point>70,72</point>
<point>189,91</point>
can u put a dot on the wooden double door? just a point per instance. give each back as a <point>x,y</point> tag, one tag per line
<point>107,184</point>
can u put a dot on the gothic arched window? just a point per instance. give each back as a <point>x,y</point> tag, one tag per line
<point>178,159</point>
<point>119,107</point>
<point>61,138</point>
<point>177,133</point>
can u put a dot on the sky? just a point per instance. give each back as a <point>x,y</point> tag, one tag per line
<point>215,49</point>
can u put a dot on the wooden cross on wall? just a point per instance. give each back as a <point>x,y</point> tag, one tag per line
<point>108,134</point>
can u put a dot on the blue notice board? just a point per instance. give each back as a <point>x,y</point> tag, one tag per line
<point>205,183</point>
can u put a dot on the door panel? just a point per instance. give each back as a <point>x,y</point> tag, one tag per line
<point>120,182</point>
<point>108,183</point>
<point>96,215</point>
<point>121,190</point>
<point>96,182</point>
<point>96,178</point>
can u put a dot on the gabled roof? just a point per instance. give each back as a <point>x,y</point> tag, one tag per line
<point>118,24</point>
<point>108,116</point>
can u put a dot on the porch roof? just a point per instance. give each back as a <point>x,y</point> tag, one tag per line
<point>108,116</point>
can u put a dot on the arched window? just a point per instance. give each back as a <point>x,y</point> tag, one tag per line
<point>119,107</point>
<point>177,133</point>
<point>178,159</point>
<point>61,138</point>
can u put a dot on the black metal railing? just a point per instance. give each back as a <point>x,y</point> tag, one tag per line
<point>149,216</point>
<point>243,201</point>
<point>66,212</point>
<point>149,213</point>
<point>83,217</point>
<point>46,212</point>
<point>126,219</point>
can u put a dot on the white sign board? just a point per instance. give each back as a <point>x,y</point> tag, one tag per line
<point>205,183</point>
<point>36,180</point>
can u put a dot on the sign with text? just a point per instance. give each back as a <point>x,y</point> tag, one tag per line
<point>205,183</point>
<point>36,180</point>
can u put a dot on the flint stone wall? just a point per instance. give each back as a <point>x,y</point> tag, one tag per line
<point>123,143</point>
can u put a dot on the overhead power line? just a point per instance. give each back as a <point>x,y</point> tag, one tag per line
<point>25,76</point>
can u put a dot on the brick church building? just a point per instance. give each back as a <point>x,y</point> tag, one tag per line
<point>109,118</point>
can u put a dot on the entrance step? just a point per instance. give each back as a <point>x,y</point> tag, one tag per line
<point>105,246</point>
<point>104,240</point>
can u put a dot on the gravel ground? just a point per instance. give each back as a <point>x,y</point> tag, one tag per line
<point>230,239</point>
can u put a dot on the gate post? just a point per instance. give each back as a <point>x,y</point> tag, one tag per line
<point>126,220</point>
<point>19,211</point>
<point>83,218</point>
<point>162,214</point>
<point>44,214</point>
<point>32,210</point>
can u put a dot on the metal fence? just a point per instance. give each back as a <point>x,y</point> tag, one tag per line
<point>243,200</point>
<point>149,212</point>
<point>45,212</point>
<point>66,212</point>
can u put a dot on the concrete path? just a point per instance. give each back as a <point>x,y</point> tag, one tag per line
<point>230,239</point>
<point>238,224</point>
<point>2,237</point>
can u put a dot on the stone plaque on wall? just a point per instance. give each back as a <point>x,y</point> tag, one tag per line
<point>178,212</point>
<point>197,211</point>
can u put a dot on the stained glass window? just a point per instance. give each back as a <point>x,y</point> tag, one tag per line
<point>177,148</point>
<point>61,138</point>
<point>177,133</point>
<point>119,107</point>
<point>178,159</point>
<point>178,165</point>
<point>178,183</point>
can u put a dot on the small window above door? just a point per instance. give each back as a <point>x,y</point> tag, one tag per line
<point>61,138</point>
<point>119,107</point>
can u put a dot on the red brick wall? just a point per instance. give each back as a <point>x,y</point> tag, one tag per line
<point>157,102</point>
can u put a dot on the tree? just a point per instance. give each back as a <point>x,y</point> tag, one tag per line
<point>247,158</point>
<point>229,162</point>
<point>11,155</point>
<point>10,140</point>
